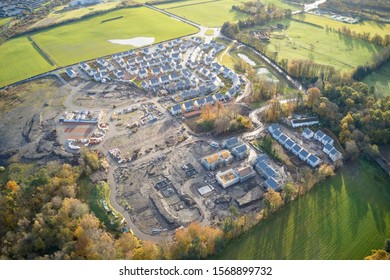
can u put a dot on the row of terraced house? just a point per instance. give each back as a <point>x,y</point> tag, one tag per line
<point>298,150</point>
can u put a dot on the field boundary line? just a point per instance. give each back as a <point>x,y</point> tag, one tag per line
<point>41,51</point>
<point>306,22</point>
<point>172,15</point>
<point>193,4</point>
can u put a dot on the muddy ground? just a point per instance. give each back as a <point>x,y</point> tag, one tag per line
<point>28,128</point>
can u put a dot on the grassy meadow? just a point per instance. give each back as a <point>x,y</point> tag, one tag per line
<point>303,41</point>
<point>366,26</point>
<point>204,12</point>
<point>57,16</point>
<point>213,13</point>
<point>345,217</point>
<point>88,39</point>
<point>20,60</point>
<point>281,4</point>
<point>380,80</point>
<point>85,11</point>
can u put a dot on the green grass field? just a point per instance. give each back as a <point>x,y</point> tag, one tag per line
<point>281,4</point>
<point>207,13</point>
<point>380,79</point>
<point>362,27</point>
<point>304,41</point>
<point>84,11</point>
<point>19,61</point>
<point>213,13</point>
<point>88,39</point>
<point>345,217</point>
<point>4,21</point>
<point>57,16</point>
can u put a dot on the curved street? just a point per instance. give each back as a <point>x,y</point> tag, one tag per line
<point>259,127</point>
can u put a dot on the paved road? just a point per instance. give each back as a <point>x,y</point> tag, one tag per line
<point>253,115</point>
<point>313,6</point>
<point>141,235</point>
<point>265,58</point>
<point>309,7</point>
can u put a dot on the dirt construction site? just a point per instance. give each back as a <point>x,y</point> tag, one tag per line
<point>174,189</point>
<point>156,172</point>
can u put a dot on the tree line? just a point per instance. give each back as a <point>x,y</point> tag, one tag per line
<point>258,14</point>
<point>379,60</point>
<point>367,36</point>
<point>45,217</point>
<point>370,9</point>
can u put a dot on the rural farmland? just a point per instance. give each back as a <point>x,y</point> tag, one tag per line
<point>83,40</point>
<point>214,13</point>
<point>304,41</point>
<point>58,15</point>
<point>282,4</point>
<point>20,60</point>
<point>88,39</point>
<point>206,13</point>
<point>366,26</point>
<point>344,217</point>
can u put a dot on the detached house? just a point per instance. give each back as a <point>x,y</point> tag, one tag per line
<point>176,109</point>
<point>335,155</point>
<point>71,73</point>
<point>265,170</point>
<point>231,143</point>
<point>240,152</point>
<point>308,133</point>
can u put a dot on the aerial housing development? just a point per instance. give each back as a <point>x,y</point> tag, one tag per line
<point>167,129</point>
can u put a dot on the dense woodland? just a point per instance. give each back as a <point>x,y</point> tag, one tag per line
<point>44,217</point>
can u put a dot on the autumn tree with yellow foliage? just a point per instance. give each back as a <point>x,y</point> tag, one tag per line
<point>272,202</point>
<point>223,118</point>
<point>195,242</point>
